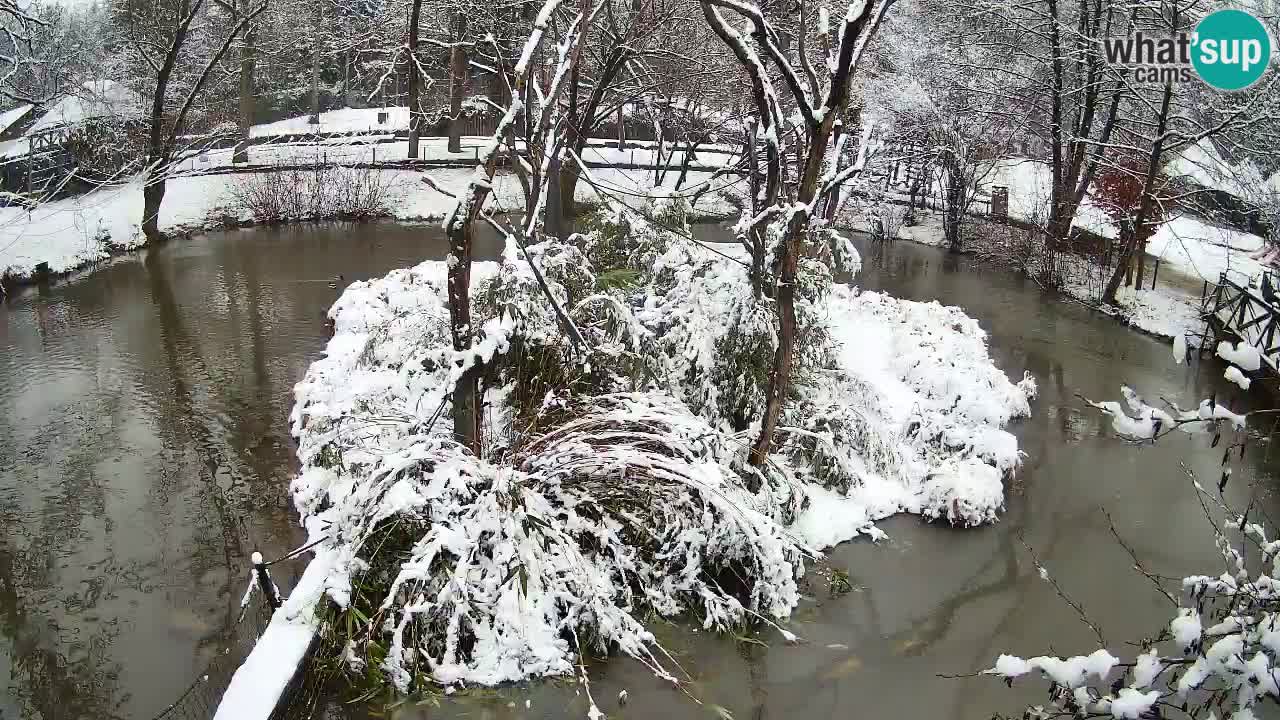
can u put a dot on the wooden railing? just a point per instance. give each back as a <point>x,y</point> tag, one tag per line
<point>1245,313</point>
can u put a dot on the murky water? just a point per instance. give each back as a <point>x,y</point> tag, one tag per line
<point>936,601</point>
<point>144,452</point>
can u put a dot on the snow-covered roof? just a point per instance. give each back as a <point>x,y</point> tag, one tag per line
<point>94,99</point>
<point>1203,164</point>
<point>9,117</point>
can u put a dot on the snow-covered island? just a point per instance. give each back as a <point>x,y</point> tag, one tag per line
<point>510,468</point>
<point>615,482</point>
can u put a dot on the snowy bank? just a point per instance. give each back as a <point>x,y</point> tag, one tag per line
<point>614,484</point>
<point>72,233</point>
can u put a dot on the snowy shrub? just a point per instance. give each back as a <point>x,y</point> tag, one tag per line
<point>720,339</point>
<point>106,149</point>
<point>317,192</point>
<point>470,572</point>
<point>667,208</point>
<point>836,434</point>
<point>614,486</point>
<point>888,221</point>
<point>614,238</point>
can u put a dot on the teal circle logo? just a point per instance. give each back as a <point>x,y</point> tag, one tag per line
<point>1232,49</point>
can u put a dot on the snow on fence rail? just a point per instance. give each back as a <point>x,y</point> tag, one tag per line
<point>270,670</point>
<point>1231,308</point>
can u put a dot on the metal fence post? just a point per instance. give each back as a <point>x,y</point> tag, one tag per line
<point>267,587</point>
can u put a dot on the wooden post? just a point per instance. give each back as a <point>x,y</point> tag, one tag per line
<point>267,587</point>
<point>999,203</point>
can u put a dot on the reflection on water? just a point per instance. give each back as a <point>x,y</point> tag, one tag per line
<point>934,600</point>
<point>144,452</point>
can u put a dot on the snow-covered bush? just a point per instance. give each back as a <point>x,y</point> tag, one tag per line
<point>888,220</point>
<point>316,192</point>
<point>614,485</point>
<point>720,339</point>
<point>615,238</point>
<point>504,572</point>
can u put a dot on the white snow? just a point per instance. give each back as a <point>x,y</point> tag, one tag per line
<point>75,232</point>
<point>1130,704</point>
<point>1203,251</point>
<point>9,117</point>
<point>1146,668</point>
<point>1233,374</point>
<point>1186,628</point>
<point>1072,672</point>
<point>93,99</point>
<point>1244,355</point>
<point>264,675</point>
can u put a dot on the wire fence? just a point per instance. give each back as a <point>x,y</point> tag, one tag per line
<point>200,699</point>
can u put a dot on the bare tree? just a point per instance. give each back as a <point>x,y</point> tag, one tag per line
<point>457,79</point>
<point>416,76</point>
<point>538,108</point>
<point>819,101</point>
<point>248,65</point>
<point>180,43</point>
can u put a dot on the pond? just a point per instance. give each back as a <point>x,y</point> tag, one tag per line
<point>145,452</point>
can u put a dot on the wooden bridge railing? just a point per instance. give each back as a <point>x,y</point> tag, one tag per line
<point>1233,309</point>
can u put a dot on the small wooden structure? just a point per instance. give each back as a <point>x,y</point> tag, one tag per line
<point>1238,312</point>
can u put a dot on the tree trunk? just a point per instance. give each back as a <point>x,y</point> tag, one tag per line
<point>555,215</point>
<point>152,198</point>
<point>346,79</point>
<point>466,394</point>
<point>622,128</point>
<point>953,209</point>
<point>756,238</point>
<point>567,188</point>
<point>315,68</point>
<point>1141,252</point>
<point>833,202</point>
<point>415,115</point>
<point>248,67</point>
<point>784,355</point>
<point>1123,263</point>
<point>1141,227</point>
<point>457,79</point>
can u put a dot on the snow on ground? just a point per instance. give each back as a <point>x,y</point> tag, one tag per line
<point>1168,310</point>
<point>1029,183</point>
<point>1204,165</point>
<point>1204,251</point>
<point>345,120</point>
<point>75,232</point>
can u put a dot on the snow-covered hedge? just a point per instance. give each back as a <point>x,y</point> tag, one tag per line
<point>614,483</point>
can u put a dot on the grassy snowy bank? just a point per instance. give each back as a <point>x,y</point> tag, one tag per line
<point>613,486</point>
<point>75,232</point>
